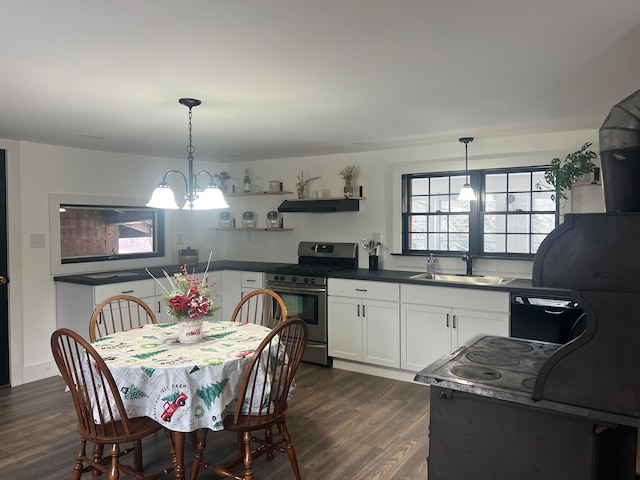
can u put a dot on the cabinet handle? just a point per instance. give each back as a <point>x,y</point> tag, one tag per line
<point>363,314</point>
<point>454,321</point>
<point>158,311</point>
<point>127,291</point>
<point>361,289</point>
<point>249,280</point>
<point>358,310</point>
<point>447,320</point>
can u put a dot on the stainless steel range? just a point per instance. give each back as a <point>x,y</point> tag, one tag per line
<point>303,287</point>
<point>505,408</point>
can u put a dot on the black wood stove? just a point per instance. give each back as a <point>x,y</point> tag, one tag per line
<point>508,408</point>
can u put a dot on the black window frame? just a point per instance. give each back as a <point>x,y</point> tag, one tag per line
<point>476,212</point>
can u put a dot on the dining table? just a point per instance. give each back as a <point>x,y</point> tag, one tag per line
<point>183,386</point>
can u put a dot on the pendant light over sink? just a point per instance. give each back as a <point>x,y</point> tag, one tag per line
<point>197,198</point>
<point>466,192</point>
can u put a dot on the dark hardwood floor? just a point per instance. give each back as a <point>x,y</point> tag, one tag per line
<point>344,425</point>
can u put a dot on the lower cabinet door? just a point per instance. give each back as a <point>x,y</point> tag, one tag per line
<point>345,328</point>
<point>381,341</point>
<point>469,323</point>
<point>425,335</point>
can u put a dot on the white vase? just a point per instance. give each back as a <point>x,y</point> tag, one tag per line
<point>190,330</point>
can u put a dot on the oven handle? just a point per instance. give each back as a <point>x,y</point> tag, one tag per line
<point>296,290</point>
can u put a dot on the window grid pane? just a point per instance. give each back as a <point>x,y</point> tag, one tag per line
<point>437,220</point>
<point>529,212</point>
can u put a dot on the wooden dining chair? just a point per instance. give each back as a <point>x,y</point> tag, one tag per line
<point>264,307</point>
<point>101,422</point>
<point>119,313</point>
<point>264,392</point>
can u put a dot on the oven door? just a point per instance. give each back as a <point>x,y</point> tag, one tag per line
<point>309,304</point>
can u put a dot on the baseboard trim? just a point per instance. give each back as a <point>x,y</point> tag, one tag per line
<point>40,371</point>
<point>367,369</point>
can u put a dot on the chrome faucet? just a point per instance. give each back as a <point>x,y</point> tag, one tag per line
<point>469,260</point>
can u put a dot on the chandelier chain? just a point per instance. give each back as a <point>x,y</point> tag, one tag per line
<point>190,147</point>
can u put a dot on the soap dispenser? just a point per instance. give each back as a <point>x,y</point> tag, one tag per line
<point>431,265</point>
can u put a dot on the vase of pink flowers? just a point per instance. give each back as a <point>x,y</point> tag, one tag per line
<point>189,301</point>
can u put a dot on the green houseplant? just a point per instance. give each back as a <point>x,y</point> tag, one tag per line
<point>302,183</point>
<point>349,174</point>
<point>562,173</point>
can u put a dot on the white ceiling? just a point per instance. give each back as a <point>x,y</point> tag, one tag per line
<point>283,78</point>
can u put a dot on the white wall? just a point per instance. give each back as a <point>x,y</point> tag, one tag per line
<point>37,170</point>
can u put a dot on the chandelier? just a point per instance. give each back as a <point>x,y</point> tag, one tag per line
<point>466,192</point>
<point>196,197</point>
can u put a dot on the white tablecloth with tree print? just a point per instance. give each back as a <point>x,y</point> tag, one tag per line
<point>182,386</point>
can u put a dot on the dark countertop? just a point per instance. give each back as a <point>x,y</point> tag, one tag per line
<point>104,278</point>
<point>520,285</point>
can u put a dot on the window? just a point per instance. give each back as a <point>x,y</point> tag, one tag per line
<point>93,233</point>
<point>513,214</point>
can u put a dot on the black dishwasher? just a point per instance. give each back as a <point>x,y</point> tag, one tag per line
<point>554,319</point>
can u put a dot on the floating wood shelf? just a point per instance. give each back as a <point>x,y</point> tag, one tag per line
<point>255,229</point>
<point>584,184</point>
<point>254,194</point>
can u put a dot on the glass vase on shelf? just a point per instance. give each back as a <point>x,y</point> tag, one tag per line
<point>247,181</point>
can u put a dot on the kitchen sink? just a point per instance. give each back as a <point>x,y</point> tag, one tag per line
<point>464,279</point>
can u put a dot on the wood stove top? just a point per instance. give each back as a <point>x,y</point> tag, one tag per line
<point>493,364</point>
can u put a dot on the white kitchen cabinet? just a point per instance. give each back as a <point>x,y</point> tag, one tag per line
<point>231,292</point>
<point>364,321</point>
<point>436,320</point>
<point>75,302</point>
<point>251,281</point>
<point>236,284</point>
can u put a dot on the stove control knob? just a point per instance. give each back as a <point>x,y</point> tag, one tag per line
<point>306,279</point>
<point>294,279</point>
<point>313,280</point>
<point>276,278</point>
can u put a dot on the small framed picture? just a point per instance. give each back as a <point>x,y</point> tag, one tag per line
<point>275,186</point>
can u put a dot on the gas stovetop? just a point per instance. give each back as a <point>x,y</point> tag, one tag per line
<point>315,262</point>
<point>492,364</point>
<point>303,273</point>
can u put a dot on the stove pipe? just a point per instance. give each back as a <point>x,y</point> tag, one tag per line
<point>620,156</point>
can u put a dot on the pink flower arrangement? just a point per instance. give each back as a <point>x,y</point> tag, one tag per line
<point>188,297</point>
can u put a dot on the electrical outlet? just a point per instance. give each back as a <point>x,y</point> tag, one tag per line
<point>179,238</point>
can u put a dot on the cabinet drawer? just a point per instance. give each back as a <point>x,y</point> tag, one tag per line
<point>138,288</point>
<point>251,279</point>
<point>475,299</point>
<point>364,289</point>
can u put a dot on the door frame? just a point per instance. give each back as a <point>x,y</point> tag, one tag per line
<point>5,364</point>
<point>14,255</point>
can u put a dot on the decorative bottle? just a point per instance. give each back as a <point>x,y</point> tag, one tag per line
<point>247,181</point>
<point>431,265</point>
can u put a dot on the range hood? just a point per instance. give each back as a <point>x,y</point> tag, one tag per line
<point>319,205</point>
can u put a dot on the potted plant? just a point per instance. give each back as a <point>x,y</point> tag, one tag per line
<point>302,183</point>
<point>222,177</point>
<point>349,174</point>
<point>563,173</point>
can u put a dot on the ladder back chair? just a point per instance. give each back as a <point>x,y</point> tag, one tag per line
<point>119,313</point>
<point>102,422</point>
<point>262,402</point>
<point>264,307</point>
